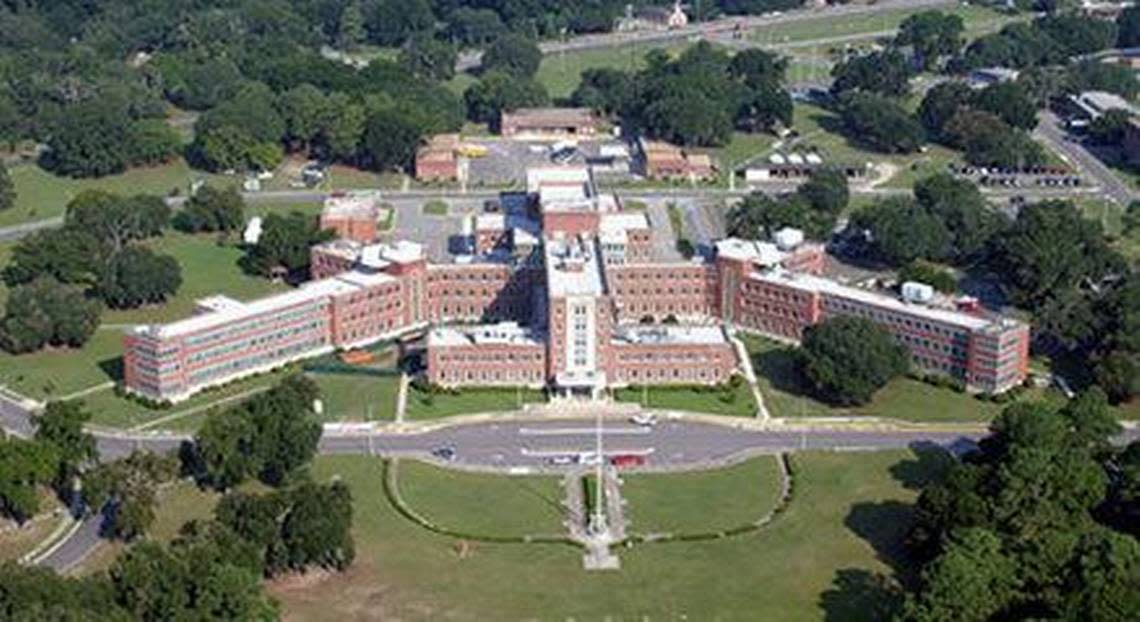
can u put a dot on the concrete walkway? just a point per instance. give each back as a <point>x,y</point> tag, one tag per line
<point>402,398</point>
<point>750,376</point>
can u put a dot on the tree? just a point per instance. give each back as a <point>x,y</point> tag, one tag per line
<point>1049,249</point>
<point>1009,102</point>
<point>609,91</point>
<point>972,581</point>
<point>901,231</point>
<point>125,490</point>
<point>941,103</point>
<point>1103,578</point>
<point>1128,28</point>
<point>1108,128</point>
<point>496,92</point>
<point>429,58</point>
<point>881,124</point>
<point>826,190</point>
<point>152,141</point>
<point>68,254</point>
<point>350,28</point>
<point>932,34</point>
<point>116,220</point>
<point>270,435</point>
<point>7,189</point>
<point>691,118</point>
<point>24,467</point>
<point>90,139</point>
<point>989,141</point>
<point>930,274</point>
<point>963,211</point>
<point>1092,75</point>
<point>764,108</point>
<point>473,27</point>
<point>758,68</point>
<point>390,140</point>
<point>242,133</point>
<point>211,209</point>
<point>61,426</point>
<point>391,22</point>
<point>37,593</point>
<point>847,359</point>
<point>284,245</point>
<point>884,73</point>
<point>138,276</point>
<point>514,55</point>
<point>47,312</point>
<point>759,216</point>
<point>1078,34</point>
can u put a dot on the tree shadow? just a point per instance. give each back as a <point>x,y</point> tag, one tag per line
<point>930,463</point>
<point>781,366</point>
<point>858,594</point>
<point>885,526</point>
<point>112,368</point>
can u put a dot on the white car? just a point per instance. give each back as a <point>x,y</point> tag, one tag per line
<point>589,458</point>
<point>644,419</point>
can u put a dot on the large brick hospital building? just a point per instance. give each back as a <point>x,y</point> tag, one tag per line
<point>562,292</point>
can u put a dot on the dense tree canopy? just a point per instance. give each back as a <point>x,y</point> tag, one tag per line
<point>212,209</point>
<point>933,35</point>
<point>813,208</point>
<point>1010,532</point>
<point>46,312</point>
<point>268,436</point>
<point>881,123</point>
<point>514,55</point>
<point>284,245</point>
<point>848,359</point>
<point>885,73</point>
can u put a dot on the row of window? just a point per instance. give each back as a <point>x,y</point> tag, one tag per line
<point>240,364</point>
<point>257,340</point>
<point>246,324</point>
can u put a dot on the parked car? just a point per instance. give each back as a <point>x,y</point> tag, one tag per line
<point>562,460</point>
<point>627,460</point>
<point>644,419</point>
<point>445,452</point>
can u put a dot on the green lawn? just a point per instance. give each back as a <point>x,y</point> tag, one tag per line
<point>735,402</point>
<point>701,501</point>
<point>844,526</point>
<point>207,269</point>
<point>786,393</point>
<point>561,73</point>
<point>422,405</point>
<point>112,410</point>
<point>435,208</point>
<point>40,194</point>
<point>53,373</point>
<point>357,397</point>
<point>482,505</point>
<point>977,20</point>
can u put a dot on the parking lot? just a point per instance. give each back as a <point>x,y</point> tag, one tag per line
<point>1027,177</point>
<point>507,160</point>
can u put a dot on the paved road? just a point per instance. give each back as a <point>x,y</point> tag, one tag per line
<point>470,60</point>
<point>77,547</point>
<point>1050,131</point>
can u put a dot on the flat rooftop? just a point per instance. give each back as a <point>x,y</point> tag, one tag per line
<point>764,253</point>
<point>503,333</point>
<point>550,116</point>
<point>352,204</point>
<point>807,282</point>
<point>669,334</point>
<point>572,268</point>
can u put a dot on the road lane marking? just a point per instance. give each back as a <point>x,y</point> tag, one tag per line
<point>583,431</point>
<point>548,453</point>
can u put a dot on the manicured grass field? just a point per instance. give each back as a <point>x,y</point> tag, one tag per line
<point>208,268</point>
<point>357,397</point>
<point>54,373</point>
<point>435,208</point>
<point>422,405</point>
<point>561,73</point>
<point>482,505</point>
<point>40,194</point>
<point>844,526</point>
<point>701,501</point>
<point>736,402</point>
<point>976,20</point>
<point>787,394</point>
<point>115,411</point>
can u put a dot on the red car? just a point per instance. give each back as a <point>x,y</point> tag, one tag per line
<point>627,460</point>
